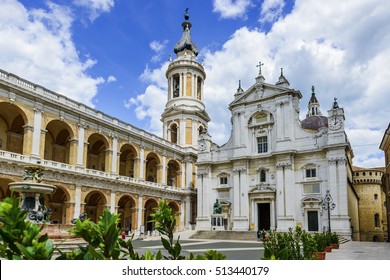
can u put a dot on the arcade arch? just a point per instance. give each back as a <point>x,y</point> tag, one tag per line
<point>96,153</point>
<point>173,174</point>
<point>12,126</point>
<point>127,161</point>
<point>57,141</point>
<point>95,203</point>
<point>152,168</point>
<point>150,206</point>
<point>128,213</point>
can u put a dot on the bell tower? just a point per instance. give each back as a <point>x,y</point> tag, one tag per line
<point>185,117</point>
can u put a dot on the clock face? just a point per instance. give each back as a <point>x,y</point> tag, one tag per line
<point>335,123</point>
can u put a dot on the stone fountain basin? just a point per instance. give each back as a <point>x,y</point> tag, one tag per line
<point>26,187</point>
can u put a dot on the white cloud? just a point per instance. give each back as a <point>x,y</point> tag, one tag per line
<point>39,47</point>
<point>95,7</point>
<point>158,47</point>
<point>231,9</point>
<point>111,79</point>
<point>150,104</point>
<point>271,10</point>
<point>339,47</point>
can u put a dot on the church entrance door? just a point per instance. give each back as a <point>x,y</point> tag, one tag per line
<point>312,219</point>
<point>264,216</point>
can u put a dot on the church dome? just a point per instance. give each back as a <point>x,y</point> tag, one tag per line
<point>314,122</point>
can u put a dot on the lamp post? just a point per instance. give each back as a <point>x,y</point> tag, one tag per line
<point>328,205</point>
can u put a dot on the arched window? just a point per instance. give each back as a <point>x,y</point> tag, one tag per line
<point>375,196</point>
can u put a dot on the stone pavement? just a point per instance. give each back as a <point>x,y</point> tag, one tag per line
<point>361,250</point>
<point>352,250</point>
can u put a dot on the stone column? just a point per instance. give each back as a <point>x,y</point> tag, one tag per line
<point>280,191</point>
<point>36,139</point>
<point>108,161</point>
<point>69,212</point>
<point>27,140</point>
<point>236,192</point>
<point>114,162</point>
<point>77,200</point>
<point>80,147</point>
<point>42,143</point>
<point>164,170</point>
<point>140,212</point>
<point>182,137</point>
<point>289,190</point>
<point>142,163</point>
<point>113,207</point>
<point>183,174</point>
<point>73,151</point>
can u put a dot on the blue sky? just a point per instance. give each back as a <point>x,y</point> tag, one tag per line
<point>112,55</point>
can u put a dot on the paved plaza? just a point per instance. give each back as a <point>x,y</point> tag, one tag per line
<point>249,250</point>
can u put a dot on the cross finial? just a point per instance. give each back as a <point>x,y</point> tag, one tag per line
<point>186,16</point>
<point>312,89</point>
<point>259,65</point>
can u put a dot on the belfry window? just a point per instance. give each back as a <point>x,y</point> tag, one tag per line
<point>176,85</point>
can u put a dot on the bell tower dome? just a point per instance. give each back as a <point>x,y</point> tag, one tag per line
<point>184,117</point>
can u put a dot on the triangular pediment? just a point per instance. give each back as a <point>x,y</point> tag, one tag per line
<point>262,91</point>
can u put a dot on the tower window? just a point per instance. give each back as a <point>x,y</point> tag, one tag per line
<point>176,85</point>
<point>375,196</point>
<point>262,144</point>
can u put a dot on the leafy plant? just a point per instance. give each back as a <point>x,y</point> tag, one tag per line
<point>19,238</point>
<point>334,239</point>
<point>165,224</point>
<point>321,241</point>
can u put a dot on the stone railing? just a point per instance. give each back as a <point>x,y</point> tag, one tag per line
<point>38,90</point>
<point>15,157</point>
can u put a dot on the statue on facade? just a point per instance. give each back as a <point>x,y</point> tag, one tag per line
<point>217,207</point>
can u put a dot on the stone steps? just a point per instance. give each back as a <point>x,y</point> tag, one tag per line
<point>226,235</point>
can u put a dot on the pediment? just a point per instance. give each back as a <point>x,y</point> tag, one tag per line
<point>260,91</point>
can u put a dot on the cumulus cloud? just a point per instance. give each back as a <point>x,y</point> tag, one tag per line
<point>231,9</point>
<point>339,47</point>
<point>271,10</point>
<point>158,47</point>
<point>39,47</point>
<point>151,103</point>
<point>95,7</point>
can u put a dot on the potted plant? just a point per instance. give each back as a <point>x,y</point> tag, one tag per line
<point>334,241</point>
<point>328,237</point>
<point>320,240</point>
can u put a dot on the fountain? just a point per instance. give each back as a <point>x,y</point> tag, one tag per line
<point>32,193</point>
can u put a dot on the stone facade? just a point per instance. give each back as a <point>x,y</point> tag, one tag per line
<point>96,162</point>
<point>372,208</point>
<point>385,146</point>
<point>275,170</point>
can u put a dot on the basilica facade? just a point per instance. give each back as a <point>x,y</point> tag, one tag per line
<point>275,172</point>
